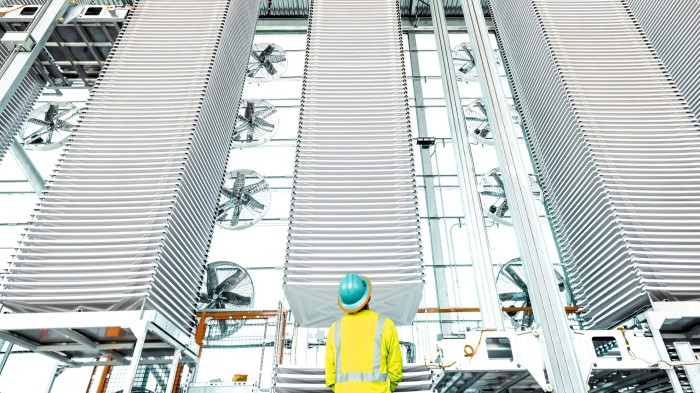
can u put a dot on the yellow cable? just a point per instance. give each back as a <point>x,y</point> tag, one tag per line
<point>635,357</point>
<point>13,10</point>
<point>470,351</point>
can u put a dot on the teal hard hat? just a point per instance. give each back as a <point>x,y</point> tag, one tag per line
<point>354,292</point>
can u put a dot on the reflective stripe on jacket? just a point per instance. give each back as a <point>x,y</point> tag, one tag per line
<point>363,354</point>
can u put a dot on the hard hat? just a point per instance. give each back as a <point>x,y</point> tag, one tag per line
<point>354,292</point>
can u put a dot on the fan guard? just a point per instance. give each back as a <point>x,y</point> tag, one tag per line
<point>245,198</point>
<point>48,126</point>
<point>464,63</point>
<point>267,62</point>
<point>493,196</point>
<point>512,292</point>
<point>227,286</point>
<point>256,123</point>
<point>478,123</point>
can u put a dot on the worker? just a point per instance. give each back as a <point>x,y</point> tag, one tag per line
<point>362,349</point>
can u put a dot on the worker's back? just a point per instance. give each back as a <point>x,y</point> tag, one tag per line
<point>363,354</point>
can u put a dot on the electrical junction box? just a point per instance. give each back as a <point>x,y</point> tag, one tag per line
<point>13,39</point>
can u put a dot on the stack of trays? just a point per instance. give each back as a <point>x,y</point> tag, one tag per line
<point>127,216</point>
<point>616,148</point>
<point>672,28</point>
<point>354,201</point>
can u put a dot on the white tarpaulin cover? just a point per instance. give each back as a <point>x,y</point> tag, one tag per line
<point>127,217</point>
<point>616,147</point>
<point>354,202</point>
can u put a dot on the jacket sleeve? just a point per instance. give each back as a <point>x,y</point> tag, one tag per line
<point>394,362</point>
<point>330,358</point>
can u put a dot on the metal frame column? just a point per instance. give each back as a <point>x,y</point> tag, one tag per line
<point>471,202</point>
<point>686,354</point>
<point>6,355</point>
<point>430,201</point>
<point>15,68</point>
<point>173,375</point>
<point>563,369</point>
<point>30,171</point>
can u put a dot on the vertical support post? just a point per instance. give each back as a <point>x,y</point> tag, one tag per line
<point>466,174</point>
<point>104,378</point>
<point>135,358</point>
<point>563,369</point>
<point>27,166</point>
<point>262,354</point>
<point>429,182</point>
<point>6,356</point>
<point>57,370</point>
<point>692,372</point>
<point>562,366</point>
<point>174,369</point>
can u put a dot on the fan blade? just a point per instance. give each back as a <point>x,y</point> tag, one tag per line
<point>253,71</point>
<point>38,122</point>
<point>515,278</point>
<point>276,58</point>
<point>204,298</point>
<point>255,187</point>
<point>254,204</point>
<point>269,67</point>
<point>241,129</point>
<point>238,183</point>
<point>212,282</point>
<point>231,282</point>
<point>39,111</point>
<point>512,296</point>
<point>249,110</point>
<point>236,215</point>
<point>263,125</point>
<point>64,125</point>
<point>51,112</point>
<point>224,207</point>
<point>265,112</point>
<point>255,55</point>
<point>267,52</point>
<point>236,299</point>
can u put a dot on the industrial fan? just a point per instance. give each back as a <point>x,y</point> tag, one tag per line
<point>512,292</point>
<point>48,126</point>
<point>464,63</point>
<point>256,123</point>
<point>477,122</point>
<point>267,62</point>
<point>493,196</point>
<point>244,200</point>
<point>227,286</point>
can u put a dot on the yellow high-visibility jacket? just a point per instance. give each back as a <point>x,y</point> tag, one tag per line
<point>363,354</point>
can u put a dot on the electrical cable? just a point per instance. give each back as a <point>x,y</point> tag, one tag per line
<point>635,357</point>
<point>470,351</point>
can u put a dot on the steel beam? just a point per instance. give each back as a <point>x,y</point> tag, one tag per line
<point>172,374</point>
<point>6,355</point>
<point>429,182</point>
<point>561,362</point>
<point>466,174</point>
<point>27,166</point>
